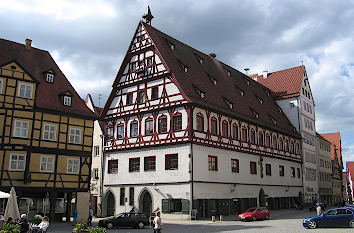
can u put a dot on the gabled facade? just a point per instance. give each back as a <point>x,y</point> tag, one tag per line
<point>349,182</point>
<point>292,91</point>
<point>324,170</point>
<point>45,131</point>
<point>185,131</point>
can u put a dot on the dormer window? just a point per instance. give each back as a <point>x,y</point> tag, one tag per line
<point>240,90</point>
<point>228,103</point>
<point>67,100</point>
<point>200,60</point>
<point>212,79</point>
<point>267,92</point>
<point>184,67</point>
<point>247,81</point>
<point>255,114</point>
<point>49,77</point>
<point>227,72</point>
<point>172,46</point>
<point>259,100</point>
<point>202,94</point>
<point>273,120</point>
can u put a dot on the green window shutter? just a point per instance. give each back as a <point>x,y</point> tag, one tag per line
<point>185,206</point>
<point>165,206</point>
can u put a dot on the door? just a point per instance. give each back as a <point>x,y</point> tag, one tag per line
<point>328,219</point>
<point>147,203</point>
<point>110,204</point>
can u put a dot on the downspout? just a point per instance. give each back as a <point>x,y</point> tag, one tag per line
<point>302,152</point>
<point>191,164</point>
<point>102,171</point>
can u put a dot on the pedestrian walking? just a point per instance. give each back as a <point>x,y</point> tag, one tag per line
<point>157,223</point>
<point>90,217</point>
<point>75,213</point>
<point>319,210</point>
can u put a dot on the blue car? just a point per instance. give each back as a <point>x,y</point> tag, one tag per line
<point>340,217</point>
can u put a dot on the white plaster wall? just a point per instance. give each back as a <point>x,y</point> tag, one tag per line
<point>291,112</point>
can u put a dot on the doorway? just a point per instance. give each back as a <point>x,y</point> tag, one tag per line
<point>111,203</point>
<point>146,202</point>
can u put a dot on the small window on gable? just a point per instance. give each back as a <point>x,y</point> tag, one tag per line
<point>214,81</point>
<point>273,119</point>
<point>200,60</point>
<point>171,45</point>
<point>259,100</point>
<point>202,94</point>
<point>67,100</point>
<point>247,81</point>
<point>227,72</point>
<point>228,103</point>
<point>240,90</point>
<point>267,92</point>
<point>155,93</point>
<point>184,67</point>
<point>49,77</point>
<point>255,114</point>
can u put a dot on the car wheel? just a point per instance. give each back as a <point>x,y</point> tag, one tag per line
<point>141,225</point>
<point>109,225</point>
<point>254,218</point>
<point>267,217</point>
<point>311,224</point>
<point>351,224</point>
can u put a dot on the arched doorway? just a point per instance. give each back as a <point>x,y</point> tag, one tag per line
<point>146,202</point>
<point>262,199</point>
<point>111,203</point>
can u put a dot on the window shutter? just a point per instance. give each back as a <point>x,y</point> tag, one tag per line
<point>185,206</point>
<point>165,206</point>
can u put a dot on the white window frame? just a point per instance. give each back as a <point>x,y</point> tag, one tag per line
<point>73,136</point>
<point>50,132</point>
<point>26,86</point>
<point>49,77</point>
<point>67,100</point>
<point>73,166</point>
<point>17,161</point>
<point>44,160</point>
<point>95,174</point>
<point>1,85</point>
<point>96,151</point>
<point>21,132</point>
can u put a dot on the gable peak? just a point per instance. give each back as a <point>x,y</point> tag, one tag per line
<point>148,16</point>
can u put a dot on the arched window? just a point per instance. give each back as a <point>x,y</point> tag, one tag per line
<point>292,147</point>
<point>244,134</point>
<point>297,148</point>
<point>200,122</point>
<point>281,144</point>
<point>134,129</point>
<point>235,131</point>
<point>260,138</point>
<point>214,126</point>
<point>275,142</point>
<point>286,145</point>
<point>268,140</point>
<point>163,124</point>
<point>177,122</point>
<point>225,129</point>
<point>253,136</point>
<point>149,126</point>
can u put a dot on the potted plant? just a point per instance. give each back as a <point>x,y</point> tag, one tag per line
<point>98,230</point>
<point>10,228</point>
<point>37,219</point>
<point>81,227</point>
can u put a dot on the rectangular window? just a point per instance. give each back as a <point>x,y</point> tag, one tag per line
<point>177,122</point>
<point>292,172</point>
<point>1,85</point>
<point>150,163</point>
<point>235,131</point>
<point>244,134</point>
<point>134,164</point>
<point>113,166</point>
<point>131,196</point>
<point>47,163</point>
<point>154,93</point>
<point>120,131</point>
<point>129,98</point>
<point>17,162</point>
<point>235,165</point>
<point>214,126</point>
<point>25,90</point>
<point>73,166</point>
<point>49,77</point>
<point>200,123</point>
<point>122,196</point>
<point>225,129</point>
<point>67,100</point>
<point>149,127</point>
<point>21,129</point>
<point>97,151</point>
<point>95,174</point>
<point>268,169</point>
<point>281,170</point>
<point>298,173</point>
<point>75,136</point>
<point>50,132</point>
<point>141,97</point>
<point>163,124</point>
<point>134,129</point>
<point>253,167</point>
<point>212,163</point>
<point>171,162</point>
<point>176,205</point>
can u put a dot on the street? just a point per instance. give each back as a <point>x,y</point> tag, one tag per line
<point>281,221</point>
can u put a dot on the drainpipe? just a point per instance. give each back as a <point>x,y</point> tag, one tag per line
<point>303,164</point>
<point>102,171</point>
<point>191,165</point>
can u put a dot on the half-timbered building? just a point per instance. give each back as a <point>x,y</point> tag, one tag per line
<point>45,132</point>
<point>186,131</point>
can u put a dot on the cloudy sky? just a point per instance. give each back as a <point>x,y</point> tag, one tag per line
<point>88,39</point>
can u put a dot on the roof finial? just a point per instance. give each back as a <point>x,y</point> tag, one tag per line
<point>148,16</point>
<point>302,63</point>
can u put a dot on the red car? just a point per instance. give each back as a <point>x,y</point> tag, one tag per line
<point>254,214</point>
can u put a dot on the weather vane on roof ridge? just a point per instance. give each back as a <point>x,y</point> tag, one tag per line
<point>148,16</point>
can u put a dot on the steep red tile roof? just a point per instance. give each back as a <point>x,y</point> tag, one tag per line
<point>36,62</point>
<point>285,83</point>
<point>334,139</point>
<point>227,87</point>
<point>350,168</point>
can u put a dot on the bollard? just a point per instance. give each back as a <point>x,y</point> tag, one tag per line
<point>221,218</point>
<point>213,218</point>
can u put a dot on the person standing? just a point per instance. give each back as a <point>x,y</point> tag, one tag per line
<point>75,213</point>
<point>319,210</point>
<point>157,223</point>
<point>90,217</point>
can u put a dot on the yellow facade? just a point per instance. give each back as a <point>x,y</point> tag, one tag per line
<point>55,147</point>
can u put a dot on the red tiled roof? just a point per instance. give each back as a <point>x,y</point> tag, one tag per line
<point>226,87</point>
<point>285,83</point>
<point>350,168</point>
<point>36,62</point>
<point>334,139</point>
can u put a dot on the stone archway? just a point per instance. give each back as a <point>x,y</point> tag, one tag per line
<point>110,203</point>
<point>262,198</point>
<point>145,202</point>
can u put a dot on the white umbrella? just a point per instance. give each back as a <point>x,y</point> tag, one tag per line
<point>4,195</point>
<point>12,207</point>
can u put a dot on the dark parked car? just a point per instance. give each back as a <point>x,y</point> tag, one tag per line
<point>340,217</point>
<point>254,214</point>
<point>131,219</point>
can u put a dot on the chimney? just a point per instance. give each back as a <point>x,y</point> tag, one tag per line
<point>28,44</point>
<point>265,74</point>
<point>213,55</point>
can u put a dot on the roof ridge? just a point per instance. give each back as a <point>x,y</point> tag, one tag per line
<point>20,44</point>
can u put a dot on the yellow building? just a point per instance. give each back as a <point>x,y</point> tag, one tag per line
<point>45,131</point>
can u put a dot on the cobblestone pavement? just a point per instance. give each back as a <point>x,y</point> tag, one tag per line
<point>282,221</point>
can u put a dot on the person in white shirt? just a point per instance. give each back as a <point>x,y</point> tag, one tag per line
<point>43,226</point>
<point>157,223</point>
